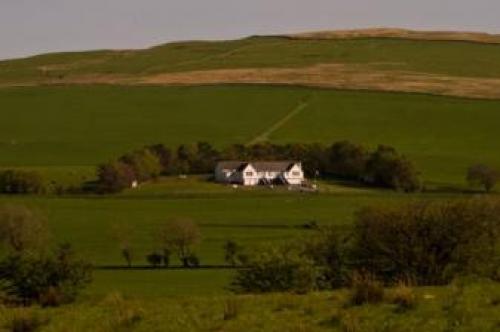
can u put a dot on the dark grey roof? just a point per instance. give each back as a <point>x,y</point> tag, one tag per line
<point>260,166</point>
<point>273,166</point>
<point>230,164</point>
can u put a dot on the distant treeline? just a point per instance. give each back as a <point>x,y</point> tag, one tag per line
<point>382,167</point>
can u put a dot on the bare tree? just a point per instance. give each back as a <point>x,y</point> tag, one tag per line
<point>180,236</point>
<point>122,233</point>
<point>22,229</point>
<point>484,176</point>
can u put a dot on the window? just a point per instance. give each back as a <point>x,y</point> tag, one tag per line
<point>296,173</point>
<point>249,173</point>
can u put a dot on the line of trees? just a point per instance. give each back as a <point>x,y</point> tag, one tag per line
<point>429,243</point>
<point>21,182</point>
<point>382,167</point>
<point>177,237</point>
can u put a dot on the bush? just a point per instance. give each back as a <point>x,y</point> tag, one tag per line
<point>21,182</point>
<point>365,288</point>
<point>154,259</point>
<point>276,269</point>
<point>430,242</point>
<point>327,250</point>
<point>47,280</point>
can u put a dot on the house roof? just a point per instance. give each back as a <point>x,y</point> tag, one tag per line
<point>259,166</point>
<point>231,164</point>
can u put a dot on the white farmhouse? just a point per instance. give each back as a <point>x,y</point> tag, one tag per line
<point>259,173</point>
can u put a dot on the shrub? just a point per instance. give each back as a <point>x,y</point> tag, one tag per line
<point>21,182</point>
<point>154,259</point>
<point>430,242</point>
<point>327,250</point>
<point>365,288</point>
<point>276,269</point>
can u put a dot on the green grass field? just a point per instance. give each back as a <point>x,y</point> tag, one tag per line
<point>66,131</point>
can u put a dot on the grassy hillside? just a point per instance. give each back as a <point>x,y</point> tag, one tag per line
<point>454,58</point>
<point>450,65</point>
<point>65,131</point>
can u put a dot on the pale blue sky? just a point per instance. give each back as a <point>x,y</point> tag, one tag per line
<point>37,26</point>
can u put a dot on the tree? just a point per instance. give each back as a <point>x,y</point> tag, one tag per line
<point>22,229</point>
<point>122,233</point>
<point>386,168</point>
<point>145,164</point>
<point>180,236</point>
<point>232,252</point>
<point>484,176</point>
<point>206,158</point>
<point>165,156</point>
<point>347,160</point>
<point>114,177</point>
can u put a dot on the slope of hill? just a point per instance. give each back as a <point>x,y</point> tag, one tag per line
<point>459,64</point>
<point>84,125</point>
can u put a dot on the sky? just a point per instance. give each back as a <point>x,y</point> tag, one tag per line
<point>30,27</point>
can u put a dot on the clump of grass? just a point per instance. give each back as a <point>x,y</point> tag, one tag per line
<point>231,308</point>
<point>403,295</point>
<point>301,327</point>
<point>23,320</point>
<point>124,314</point>
<point>349,322</point>
<point>365,288</point>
